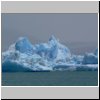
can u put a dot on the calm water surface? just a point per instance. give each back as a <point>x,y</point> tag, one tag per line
<point>56,78</point>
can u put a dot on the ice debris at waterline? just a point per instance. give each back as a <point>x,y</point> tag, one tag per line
<point>50,56</point>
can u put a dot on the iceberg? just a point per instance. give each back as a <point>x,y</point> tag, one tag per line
<point>96,52</point>
<point>50,56</point>
<point>90,58</point>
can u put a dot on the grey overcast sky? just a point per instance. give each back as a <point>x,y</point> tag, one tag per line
<point>79,32</point>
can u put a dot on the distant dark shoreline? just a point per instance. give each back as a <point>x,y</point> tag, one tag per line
<point>51,71</point>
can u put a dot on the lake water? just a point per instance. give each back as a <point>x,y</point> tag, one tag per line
<point>56,78</point>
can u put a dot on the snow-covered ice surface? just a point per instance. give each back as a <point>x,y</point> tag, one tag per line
<point>50,56</point>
